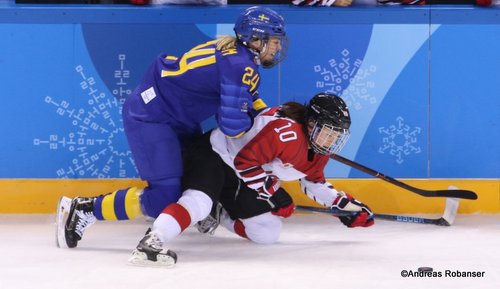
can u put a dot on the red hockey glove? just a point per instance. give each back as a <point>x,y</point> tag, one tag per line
<point>358,214</point>
<point>280,202</point>
<point>271,185</point>
<point>283,203</point>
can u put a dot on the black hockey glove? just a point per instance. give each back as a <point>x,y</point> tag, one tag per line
<point>280,202</point>
<point>283,203</point>
<point>281,199</point>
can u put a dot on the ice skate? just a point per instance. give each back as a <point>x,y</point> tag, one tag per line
<point>72,219</point>
<point>150,252</point>
<point>211,222</point>
<point>63,207</point>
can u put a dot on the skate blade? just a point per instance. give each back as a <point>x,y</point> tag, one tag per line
<point>140,259</point>
<point>63,207</point>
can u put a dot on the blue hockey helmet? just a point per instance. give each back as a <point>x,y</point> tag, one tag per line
<point>261,23</point>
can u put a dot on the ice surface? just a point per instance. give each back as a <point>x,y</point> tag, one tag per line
<point>314,251</point>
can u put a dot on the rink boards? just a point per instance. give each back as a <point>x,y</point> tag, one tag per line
<point>41,196</point>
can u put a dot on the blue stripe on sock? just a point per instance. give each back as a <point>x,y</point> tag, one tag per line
<point>119,205</point>
<point>98,208</point>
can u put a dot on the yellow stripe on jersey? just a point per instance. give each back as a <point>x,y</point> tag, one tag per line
<point>229,51</point>
<point>185,66</point>
<point>259,104</point>
<point>238,135</point>
<point>108,207</point>
<point>169,57</point>
<point>132,203</point>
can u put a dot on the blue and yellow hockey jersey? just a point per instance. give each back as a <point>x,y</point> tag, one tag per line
<point>203,82</point>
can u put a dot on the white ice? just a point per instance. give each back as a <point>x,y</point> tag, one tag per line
<point>314,251</point>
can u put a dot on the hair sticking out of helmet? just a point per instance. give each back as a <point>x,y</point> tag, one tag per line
<point>328,122</point>
<point>261,23</point>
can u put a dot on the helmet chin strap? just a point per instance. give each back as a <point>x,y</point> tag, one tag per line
<point>258,52</point>
<point>263,48</point>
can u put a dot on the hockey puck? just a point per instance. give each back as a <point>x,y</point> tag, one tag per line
<point>425,269</point>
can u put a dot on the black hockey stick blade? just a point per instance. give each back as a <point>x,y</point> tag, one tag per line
<point>450,193</point>
<point>460,194</point>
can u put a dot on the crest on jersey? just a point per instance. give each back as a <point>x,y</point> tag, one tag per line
<point>244,107</point>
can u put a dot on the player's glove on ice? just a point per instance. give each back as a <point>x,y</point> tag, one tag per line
<point>279,200</point>
<point>352,212</point>
<point>284,205</point>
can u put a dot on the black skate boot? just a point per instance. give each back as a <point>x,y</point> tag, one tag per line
<point>149,252</point>
<point>80,217</point>
<point>211,222</point>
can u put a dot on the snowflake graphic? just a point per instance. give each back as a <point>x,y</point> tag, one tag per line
<point>97,140</point>
<point>347,73</point>
<point>399,140</point>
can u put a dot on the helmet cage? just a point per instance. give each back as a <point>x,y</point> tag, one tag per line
<point>327,139</point>
<point>279,55</point>
<point>259,23</point>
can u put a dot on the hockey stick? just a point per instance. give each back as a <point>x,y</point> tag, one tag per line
<point>462,194</point>
<point>450,212</point>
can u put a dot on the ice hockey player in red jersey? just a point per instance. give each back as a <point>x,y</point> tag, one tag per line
<point>236,181</point>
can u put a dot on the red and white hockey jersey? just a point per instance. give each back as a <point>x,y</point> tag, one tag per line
<point>275,146</point>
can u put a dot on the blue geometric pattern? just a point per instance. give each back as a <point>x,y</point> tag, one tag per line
<point>422,95</point>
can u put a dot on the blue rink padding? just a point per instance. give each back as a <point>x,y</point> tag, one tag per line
<point>421,82</point>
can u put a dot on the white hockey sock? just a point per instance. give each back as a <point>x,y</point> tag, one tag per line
<point>167,226</point>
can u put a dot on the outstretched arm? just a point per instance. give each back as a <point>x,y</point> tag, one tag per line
<point>357,213</point>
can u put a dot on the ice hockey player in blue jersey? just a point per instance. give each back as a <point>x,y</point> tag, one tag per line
<point>163,115</point>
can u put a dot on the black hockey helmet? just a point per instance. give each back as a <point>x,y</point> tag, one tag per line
<point>328,122</point>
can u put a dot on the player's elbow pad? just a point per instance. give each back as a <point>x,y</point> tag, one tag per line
<point>234,127</point>
<point>321,192</point>
<point>233,117</point>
